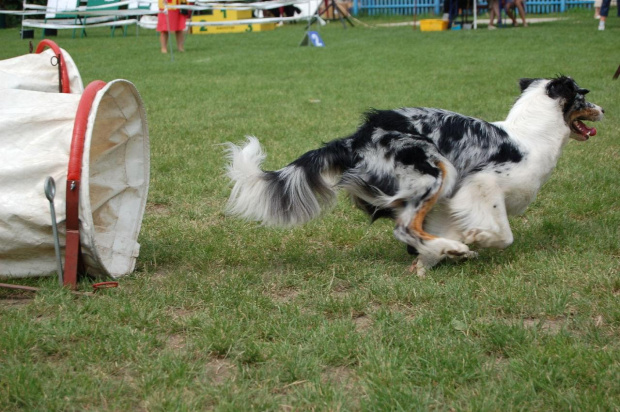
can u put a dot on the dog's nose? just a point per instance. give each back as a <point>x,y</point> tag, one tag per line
<point>602,110</point>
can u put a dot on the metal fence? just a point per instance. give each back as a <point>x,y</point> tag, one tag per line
<point>407,7</point>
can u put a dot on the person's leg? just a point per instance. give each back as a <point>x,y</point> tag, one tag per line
<point>493,13</point>
<point>604,13</point>
<point>446,10</point>
<point>521,8</point>
<point>510,12</point>
<point>180,35</point>
<point>163,41</point>
<point>597,9</point>
<point>605,8</point>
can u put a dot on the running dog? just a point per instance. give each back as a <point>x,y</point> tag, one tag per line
<point>447,180</point>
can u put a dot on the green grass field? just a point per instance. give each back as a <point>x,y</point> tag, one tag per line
<point>227,315</point>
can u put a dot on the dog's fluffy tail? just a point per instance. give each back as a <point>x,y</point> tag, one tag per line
<point>290,196</point>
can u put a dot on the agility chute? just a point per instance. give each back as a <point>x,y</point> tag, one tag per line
<point>94,143</point>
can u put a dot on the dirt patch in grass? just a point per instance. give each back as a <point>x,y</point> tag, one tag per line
<point>362,322</point>
<point>339,375</point>
<point>220,370</point>
<point>347,380</point>
<point>549,326</point>
<point>340,291</point>
<point>496,366</point>
<point>175,342</point>
<point>289,387</point>
<point>599,321</point>
<point>157,209</point>
<point>284,295</point>
<point>16,301</point>
<point>178,313</point>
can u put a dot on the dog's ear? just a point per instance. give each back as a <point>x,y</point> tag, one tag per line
<point>525,83</point>
<point>562,87</point>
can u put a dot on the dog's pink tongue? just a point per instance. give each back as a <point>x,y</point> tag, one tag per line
<point>585,130</point>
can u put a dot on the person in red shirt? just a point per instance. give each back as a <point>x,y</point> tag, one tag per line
<point>171,19</point>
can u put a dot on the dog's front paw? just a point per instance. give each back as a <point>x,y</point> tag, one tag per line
<point>470,254</point>
<point>438,249</point>
<point>486,239</point>
<point>479,237</point>
<point>452,248</point>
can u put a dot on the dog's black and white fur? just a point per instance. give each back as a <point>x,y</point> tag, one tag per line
<point>446,179</point>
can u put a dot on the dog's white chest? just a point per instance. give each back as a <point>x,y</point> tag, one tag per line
<point>522,182</point>
<point>518,199</point>
<point>520,189</point>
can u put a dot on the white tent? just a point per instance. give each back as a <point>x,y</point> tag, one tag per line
<point>95,145</point>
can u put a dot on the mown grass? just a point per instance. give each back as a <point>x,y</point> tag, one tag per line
<point>223,314</point>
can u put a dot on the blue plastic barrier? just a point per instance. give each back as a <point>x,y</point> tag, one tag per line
<point>407,7</point>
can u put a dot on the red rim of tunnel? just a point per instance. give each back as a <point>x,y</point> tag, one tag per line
<point>74,175</point>
<point>65,87</point>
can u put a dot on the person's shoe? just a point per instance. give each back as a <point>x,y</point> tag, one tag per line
<point>491,27</point>
<point>601,25</point>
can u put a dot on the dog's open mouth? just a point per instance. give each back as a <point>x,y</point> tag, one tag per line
<point>580,129</point>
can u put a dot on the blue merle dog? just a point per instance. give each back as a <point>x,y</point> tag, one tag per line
<point>447,180</point>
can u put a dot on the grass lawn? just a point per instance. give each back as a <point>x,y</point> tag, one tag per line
<point>227,315</point>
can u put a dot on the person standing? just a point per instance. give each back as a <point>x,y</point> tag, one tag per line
<point>171,19</point>
<point>510,11</point>
<point>604,13</point>
<point>493,13</point>
<point>597,9</point>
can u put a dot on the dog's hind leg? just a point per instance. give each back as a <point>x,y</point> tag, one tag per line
<point>410,230</point>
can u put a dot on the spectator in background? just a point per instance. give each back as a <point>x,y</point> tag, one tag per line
<point>171,19</point>
<point>510,11</point>
<point>597,8</point>
<point>604,13</point>
<point>493,13</point>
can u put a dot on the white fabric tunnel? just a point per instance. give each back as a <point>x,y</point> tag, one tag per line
<point>36,128</point>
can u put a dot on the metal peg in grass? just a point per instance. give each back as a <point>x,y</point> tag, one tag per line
<point>50,192</point>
